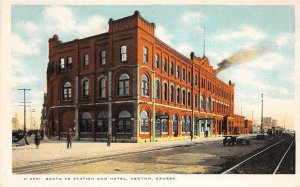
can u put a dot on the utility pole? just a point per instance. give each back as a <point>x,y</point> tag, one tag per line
<point>262,115</point>
<point>24,102</point>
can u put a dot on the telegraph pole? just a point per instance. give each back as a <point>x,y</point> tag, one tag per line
<point>262,115</point>
<point>24,94</point>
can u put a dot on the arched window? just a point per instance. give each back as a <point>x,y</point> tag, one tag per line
<point>177,95</point>
<point>183,125</point>
<point>156,89</point>
<point>183,97</point>
<point>102,87</point>
<point>171,93</point>
<point>85,89</point>
<point>67,91</point>
<point>188,124</point>
<point>165,88</point>
<point>145,85</point>
<point>164,124</point>
<point>144,122</point>
<point>102,122</point>
<point>189,98</point>
<point>124,122</point>
<point>123,53</point>
<point>85,125</point>
<point>123,85</point>
<point>175,124</point>
<point>157,126</point>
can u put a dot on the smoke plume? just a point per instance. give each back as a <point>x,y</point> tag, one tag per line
<point>245,55</point>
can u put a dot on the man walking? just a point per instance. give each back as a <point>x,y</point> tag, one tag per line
<point>69,139</point>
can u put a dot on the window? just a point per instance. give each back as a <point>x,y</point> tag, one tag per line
<point>188,125</point>
<point>177,71</point>
<point>103,57</point>
<point>156,89</point>
<point>62,64</point>
<point>86,60</point>
<point>165,88</point>
<point>177,95</point>
<point>165,128</point>
<point>145,54</point>
<point>175,124</point>
<point>102,87</point>
<point>67,91</point>
<point>171,68</point>
<point>145,86</point>
<point>69,63</point>
<point>183,97</point>
<point>188,77</point>
<point>183,125</point>
<point>164,64</point>
<point>144,122</point>
<point>202,102</point>
<point>189,98</point>
<point>102,122</point>
<point>85,125</point>
<point>85,86</point>
<point>123,85</point>
<point>123,53</point>
<point>171,93</point>
<point>156,60</point>
<point>195,100</point>
<point>208,103</point>
<point>195,80</point>
<point>183,74</point>
<point>124,122</point>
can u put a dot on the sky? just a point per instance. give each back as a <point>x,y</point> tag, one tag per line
<point>228,30</point>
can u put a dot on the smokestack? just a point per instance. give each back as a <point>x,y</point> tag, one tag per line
<point>246,55</point>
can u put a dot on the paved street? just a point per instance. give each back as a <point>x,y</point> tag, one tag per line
<point>200,156</point>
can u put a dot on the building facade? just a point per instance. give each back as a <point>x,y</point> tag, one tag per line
<point>267,124</point>
<point>129,82</point>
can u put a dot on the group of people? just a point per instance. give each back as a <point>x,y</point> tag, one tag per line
<point>37,139</point>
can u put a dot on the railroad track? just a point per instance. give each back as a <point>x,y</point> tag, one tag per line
<point>266,161</point>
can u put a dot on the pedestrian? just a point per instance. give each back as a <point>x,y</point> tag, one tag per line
<point>37,140</point>
<point>69,139</point>
<point>206,134</point>
<point>192,136</point>
<point>108,134</point>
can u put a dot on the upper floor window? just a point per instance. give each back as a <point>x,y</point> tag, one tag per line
<point>85,86</point>
<point>177,71</point>
<point>102,87</point>
<point>195,100</point>
<point>67,91</point>
<point>165,88</point>
<point>123,53</point>
<point>208,104</point>
<point>188,77</point>
<point>183,74</point>
<point>86,60</point>
<point>69,63</point>
<point>183,97</point>
<point>195,80</point>
<point>201,102</point>
<point>156,64</point>
<point>177,95</point>
<point>103,57</point>
<point>171,68</point>
<point>189,98</point>
<point>62,64</point>
<point>145,86</point>
<point>164,64</point>
<point>145,54</point>
<point>156,89</point>
<point>123,85</point>
<point>171,93</point>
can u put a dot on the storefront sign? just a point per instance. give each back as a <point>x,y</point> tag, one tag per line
<point>164,117</point>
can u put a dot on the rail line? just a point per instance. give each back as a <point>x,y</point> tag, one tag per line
<point>257,154</point>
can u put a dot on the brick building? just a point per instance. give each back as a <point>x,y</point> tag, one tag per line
<point>130,82</point>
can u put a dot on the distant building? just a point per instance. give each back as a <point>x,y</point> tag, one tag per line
<point>274,123</point>
<point>267,123</point>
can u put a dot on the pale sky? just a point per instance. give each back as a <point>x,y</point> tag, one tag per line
<point>228,30</point>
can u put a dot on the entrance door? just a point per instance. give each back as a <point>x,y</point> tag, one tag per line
<point>158,129</point>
